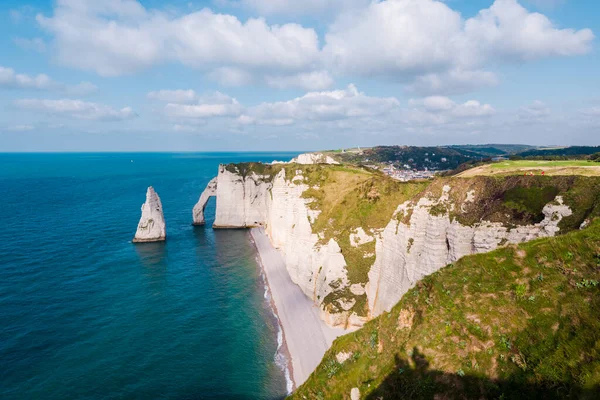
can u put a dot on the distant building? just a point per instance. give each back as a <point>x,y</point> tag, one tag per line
<point>500,158</point>
<point>444,159</point>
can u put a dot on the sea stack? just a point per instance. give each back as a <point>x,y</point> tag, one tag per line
<point>152,227</point>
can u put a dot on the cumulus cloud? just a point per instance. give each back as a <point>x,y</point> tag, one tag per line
<point>441,109</point>
<point>76,109</point>
<point>120,36</point>
<point>422,43</point>
<point>427,41</point>
<point>214,105</point>
<point>325,106</point>
<point>295,7</point>
<point>11,80</point>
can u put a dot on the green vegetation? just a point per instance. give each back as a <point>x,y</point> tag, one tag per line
<point>530,201</point>
<point>540,164</point>
<point>519,322</point>
<point>573,151</point>
<point>266,171</point>
<point>349,198</point>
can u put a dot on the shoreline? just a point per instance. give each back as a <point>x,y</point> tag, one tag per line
<point>306,337</point>
<point>282,348</point>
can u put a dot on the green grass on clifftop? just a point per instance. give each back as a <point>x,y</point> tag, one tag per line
<point>519,322</point>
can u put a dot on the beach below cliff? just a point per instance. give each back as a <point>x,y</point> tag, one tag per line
<point>306,336</point>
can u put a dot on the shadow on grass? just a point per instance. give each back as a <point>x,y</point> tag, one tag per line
<point>420,382</point>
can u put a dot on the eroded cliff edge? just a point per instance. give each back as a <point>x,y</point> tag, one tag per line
<point>355,241</point>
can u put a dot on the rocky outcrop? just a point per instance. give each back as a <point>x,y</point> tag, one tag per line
<point>314,158</point>
<point>198,211</point>
<point>152,227</point>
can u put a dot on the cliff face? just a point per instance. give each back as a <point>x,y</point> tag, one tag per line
<point>152,227</point>
<point>422,236</point>
<point>405,253</point>
<point>241,199</point>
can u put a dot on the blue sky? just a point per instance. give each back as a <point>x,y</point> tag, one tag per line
<point>127,75</point>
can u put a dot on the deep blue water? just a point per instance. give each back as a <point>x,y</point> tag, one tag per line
<point>86,314</point>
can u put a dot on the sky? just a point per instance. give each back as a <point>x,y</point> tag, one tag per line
<point>235,75</point>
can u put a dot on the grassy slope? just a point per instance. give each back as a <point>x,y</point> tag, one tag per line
<point>348,198</point>
<point>351,197</point>
<point>540,164</point>
<point>516,322</point>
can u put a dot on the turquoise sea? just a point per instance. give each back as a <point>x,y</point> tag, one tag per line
<point>86,314</point>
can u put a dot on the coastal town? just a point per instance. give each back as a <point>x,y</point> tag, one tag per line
<point>406,173</point>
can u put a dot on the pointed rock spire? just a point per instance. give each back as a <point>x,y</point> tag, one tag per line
<point>152,227</point>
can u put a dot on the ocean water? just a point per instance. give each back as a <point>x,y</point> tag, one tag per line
<point>86,314</point>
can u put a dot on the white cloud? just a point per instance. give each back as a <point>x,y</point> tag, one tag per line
<point>535,111</point>
<point>452,82</point>
<point>438,103</point>
<point>422,43</point>
<point>294,8</point>
<point>120,36</point>
<point>427,41</point>
<point>11,80</point>
<point>174,96</point>
<point>230,76</point>
<point>35,44</point>
<point>441,110</point>
<point>316,80</point>
<point>324,106</point>
<point>76,109</point>
<point>214,105</point>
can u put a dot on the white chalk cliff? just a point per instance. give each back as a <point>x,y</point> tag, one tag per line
<point>405,252</point>
<point>313,158</point>
<point>152,227</point>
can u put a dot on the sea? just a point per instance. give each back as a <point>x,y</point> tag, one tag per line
<point>87,314</point>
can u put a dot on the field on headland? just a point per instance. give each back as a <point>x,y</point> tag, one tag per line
<point>567,167</point>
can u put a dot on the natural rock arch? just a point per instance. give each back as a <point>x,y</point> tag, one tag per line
<point>198,212</point>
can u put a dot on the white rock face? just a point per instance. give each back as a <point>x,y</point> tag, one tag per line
<point>314,158</point>
<point>198,212</point>
<point>241,201</point>
<point>360,237</point>
<point>407,253</point>
<point>152,227</point>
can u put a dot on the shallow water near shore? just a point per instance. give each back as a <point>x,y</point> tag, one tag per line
<point>86,314</point>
